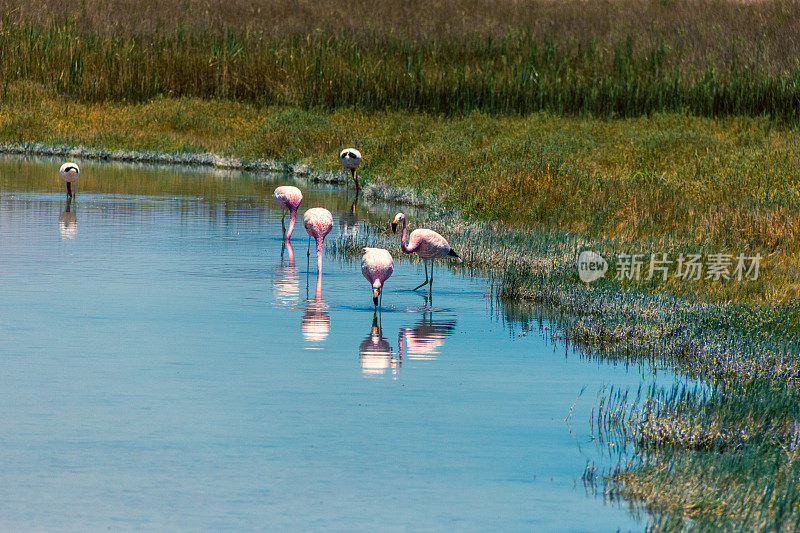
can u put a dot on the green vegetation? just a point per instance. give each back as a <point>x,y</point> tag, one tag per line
<point>729,459</point>
<point>607,58</point>
<point>539,129</point>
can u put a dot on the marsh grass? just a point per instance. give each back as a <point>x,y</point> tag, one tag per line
<point>723,453</point>
<point>718,455</point>
<point>607,58</point>
<point>721,459</point>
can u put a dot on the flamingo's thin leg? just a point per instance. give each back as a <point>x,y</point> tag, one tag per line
<point>426,275</point>
<point>308,261</point>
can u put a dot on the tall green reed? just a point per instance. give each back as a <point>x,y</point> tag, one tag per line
<point>516,74</point>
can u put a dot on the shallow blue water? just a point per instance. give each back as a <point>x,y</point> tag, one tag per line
<point>164,366</point>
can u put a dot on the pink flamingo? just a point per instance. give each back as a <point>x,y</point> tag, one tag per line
<point>289,198</point>
<point>69,175</point>
<point>426,243</point>
<point>377,266</point>
<point>351,158</point>
<point>318,222</point>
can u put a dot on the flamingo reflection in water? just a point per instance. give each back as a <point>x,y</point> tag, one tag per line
<point>348,219</point>
<point>286,282</point>
<point>68,221</point>
<point>376,354</point>
<point>316,323</point>
<point>426,337</point>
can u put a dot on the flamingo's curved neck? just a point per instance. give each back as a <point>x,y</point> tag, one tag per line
<point>318,294</point>
<point>291,224</point>
<point>403,246</point>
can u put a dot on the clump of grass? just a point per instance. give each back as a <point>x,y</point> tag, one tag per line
<point>725,459</point>
<point>610,58</point>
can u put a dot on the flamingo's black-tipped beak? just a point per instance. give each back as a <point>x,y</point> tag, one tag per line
<point>375,293</point>
<point>394,227</point>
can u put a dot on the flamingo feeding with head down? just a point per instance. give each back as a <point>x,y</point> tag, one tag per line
<point>426,243</point>
<point>69,175</point>
<point>377,266</point>
<point>351,158</point>
<point>318,222</point>
<point>288,198</point>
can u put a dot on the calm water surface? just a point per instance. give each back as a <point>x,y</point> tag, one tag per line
<point>164,363</point>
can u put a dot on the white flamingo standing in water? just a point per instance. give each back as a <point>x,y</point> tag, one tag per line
<point>351,158</point>
<point>377,266</point>
<point>288,198</point>
<point>426,243</point>
<point>318,222</point>
<point>69,175</point>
